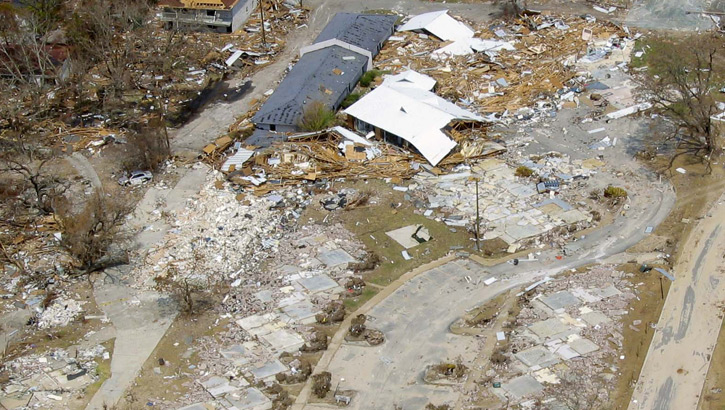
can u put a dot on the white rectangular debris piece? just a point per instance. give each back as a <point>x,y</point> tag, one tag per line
<point>400,188</point>
<point>406,256</point>
<point>233,58</point>
<point>681,170</point>
<point>489,281</point>
<point>237,159</point>
<point>500,336</point>
<point>629,110</point>
<point>596,130</point>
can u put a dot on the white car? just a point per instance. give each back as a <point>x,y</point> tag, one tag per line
<point>136,178</point>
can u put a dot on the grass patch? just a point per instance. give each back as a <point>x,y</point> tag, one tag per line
<point>351,304</point>
<point>369,77</point>
<point>316,117</point>
<point>350,99</point>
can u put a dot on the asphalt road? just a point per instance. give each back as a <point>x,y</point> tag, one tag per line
<point>679,356</point>
<point>672,14</point>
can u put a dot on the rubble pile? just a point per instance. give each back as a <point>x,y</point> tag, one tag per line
<point>51,380</point>
<point>528,63</point>
<point>270,312</point>
<point>566,335</point>
<point>221,235</point>
<point>60,313</point>
<point>511,207</point>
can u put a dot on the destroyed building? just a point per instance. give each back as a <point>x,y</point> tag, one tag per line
<point>405,112</point>
<point>220,15</point>
<point>327,70</point>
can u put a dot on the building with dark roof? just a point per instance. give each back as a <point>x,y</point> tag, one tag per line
<point>221,15</point>
<point>327,70</point>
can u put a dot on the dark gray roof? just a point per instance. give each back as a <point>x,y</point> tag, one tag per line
<point>313,78</point>
<point>362,30</point>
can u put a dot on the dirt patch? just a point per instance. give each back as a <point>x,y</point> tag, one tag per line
<point>645,311</point>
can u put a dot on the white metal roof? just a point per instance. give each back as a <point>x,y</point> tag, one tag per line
<point>410,79</point>
<point>469,45</point>
<point>415,115</point>
<point>237,159</point>
<point>440,24</point>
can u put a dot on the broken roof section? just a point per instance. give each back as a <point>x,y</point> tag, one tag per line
<point>412,113</point>
<point>315,77</point>
<point>199,5</point>
<point>439,24</point>
<point>327,70</point>
<point>366,31</point>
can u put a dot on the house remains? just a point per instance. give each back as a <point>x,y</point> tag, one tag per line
<point>326,72</point>
<point>221,15</point>
<point>404,111</point>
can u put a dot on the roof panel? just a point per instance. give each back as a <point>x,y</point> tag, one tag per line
<point>323,75</point>
<point>363,30</point>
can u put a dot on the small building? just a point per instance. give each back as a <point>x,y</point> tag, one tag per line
<point>327,70</point>
<point>405,112</point>
<point>220,15</point>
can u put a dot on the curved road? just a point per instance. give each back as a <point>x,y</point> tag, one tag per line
<point>416,316</point>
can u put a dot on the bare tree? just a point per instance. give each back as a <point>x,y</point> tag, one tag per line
<point>32,168</point>
<point>88,234</point>
<point>680,81</point>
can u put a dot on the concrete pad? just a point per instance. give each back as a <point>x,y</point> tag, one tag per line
<point>585,296</point>
<point>563,350</point>
<point>303,312</point>
<point>560,300</point>
<point>319,283</point>
<point>537,356</point>
<point>199,406</point>
<point>595,317</point>
<point>607,292</point>
<point>546,376</point>
<point>218,386</point>
<point>519,232</point>
<point>269,369</point>
<point>583,346</point>
<point>284,341</point>
<point>335,257</point>
<point>249,399</point>
<point>548,328</point>
<point>264,296</point>
<point>404,236</point>
<point>235,354</point>
<point>573,216</point>
<point>522,386</point>
<point>255,321</point>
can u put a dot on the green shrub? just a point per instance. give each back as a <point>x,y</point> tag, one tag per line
<point>614,192</point>
<point>369,77</point>
<point>350,99</point>
<point>316,117</point>
<point>524,172</point>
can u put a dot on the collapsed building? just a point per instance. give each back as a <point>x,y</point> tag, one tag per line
<point>326,72</point>
<point>404,111</point>
<point>220,15</point>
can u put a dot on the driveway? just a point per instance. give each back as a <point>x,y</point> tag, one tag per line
<point>679,356</point>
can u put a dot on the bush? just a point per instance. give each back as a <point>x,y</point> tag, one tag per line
<point>316,117</point>
<point>369,77</point>
<point>350,99</point>
<point>321,384</point>
<point>524,172</point>
<point>88,234</point>
<point>614,192</point>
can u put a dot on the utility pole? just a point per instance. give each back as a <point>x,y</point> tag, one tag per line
<point>261,13</point>
<point>478,220</point>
